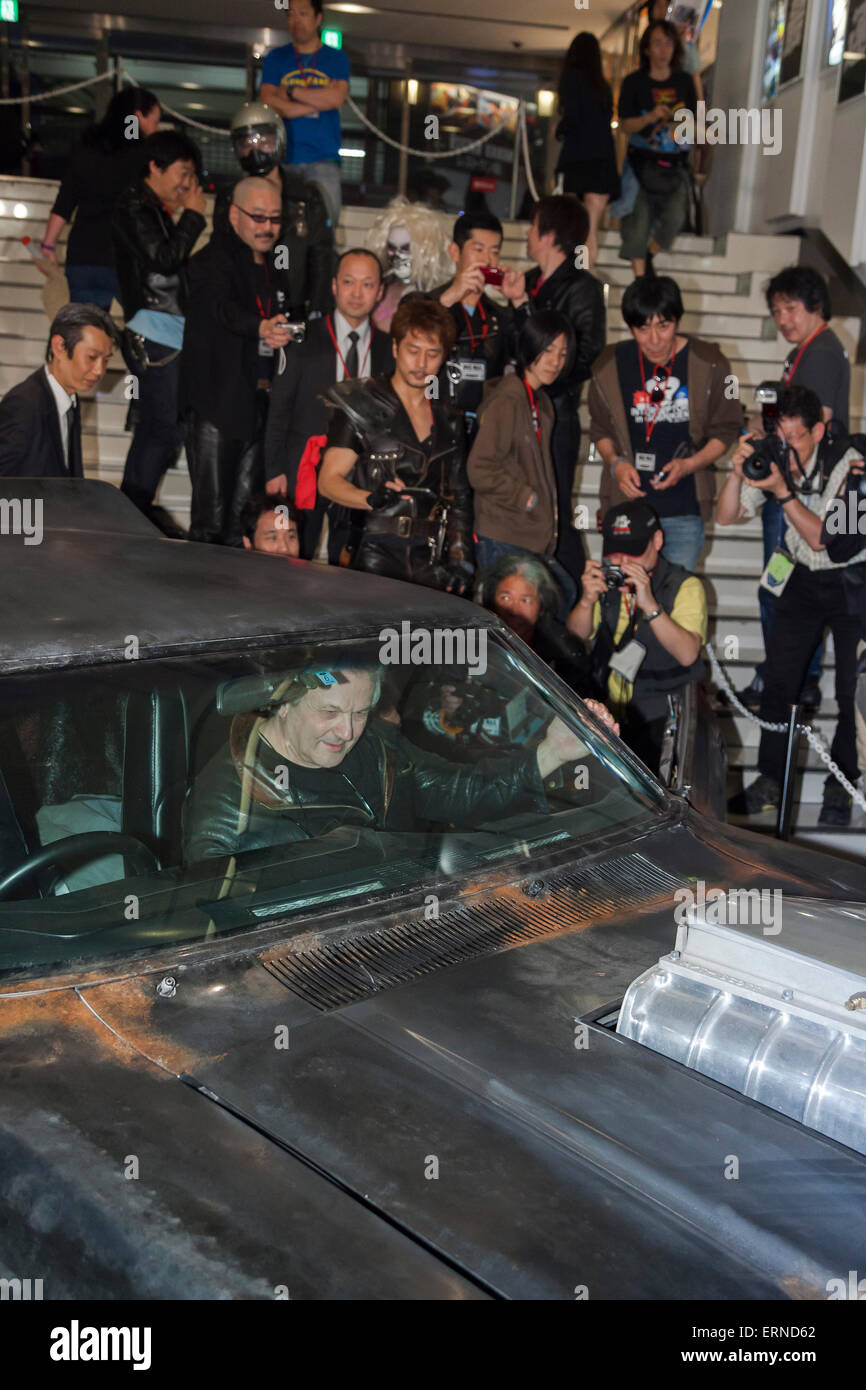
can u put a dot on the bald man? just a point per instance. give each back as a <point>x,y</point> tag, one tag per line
<point>235,329</point>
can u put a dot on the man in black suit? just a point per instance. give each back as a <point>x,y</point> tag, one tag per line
<point>40,425</point>
<point>344,344</point>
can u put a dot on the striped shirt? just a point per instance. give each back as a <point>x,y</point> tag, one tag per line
<point>753,498</point>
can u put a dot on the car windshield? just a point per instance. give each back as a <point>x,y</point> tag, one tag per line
<point>155,802</point>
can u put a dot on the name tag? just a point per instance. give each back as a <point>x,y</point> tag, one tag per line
<point>265,350</point>
<point>780,567</point>
<point>645,463</point>
<point>471,369</point>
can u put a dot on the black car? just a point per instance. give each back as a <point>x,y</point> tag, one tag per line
<point>344,954</point>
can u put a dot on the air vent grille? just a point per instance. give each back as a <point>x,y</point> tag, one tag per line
<point>333,973</point>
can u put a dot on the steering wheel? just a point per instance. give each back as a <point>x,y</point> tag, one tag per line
<point>89,846</point>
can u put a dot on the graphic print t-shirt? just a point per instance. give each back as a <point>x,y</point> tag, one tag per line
<point>668,421</point>
<point>640,94</point>
<point>308,138</point>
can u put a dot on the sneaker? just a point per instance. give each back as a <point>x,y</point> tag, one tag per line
<point>751,696</point>
<point>836,809</point>
<point>810,697</point>
<point>763,795</point>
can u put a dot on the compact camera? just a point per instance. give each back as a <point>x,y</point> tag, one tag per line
<point>614,577</point>
<point>493,274</point>
<point>297,332</point>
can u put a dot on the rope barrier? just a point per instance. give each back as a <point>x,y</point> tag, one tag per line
<point>812,738</point>
<point>427,154</point>
<point>56,91</point>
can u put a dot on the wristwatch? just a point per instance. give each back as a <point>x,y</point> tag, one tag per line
<point>782,500</point>
<point>657,614</point>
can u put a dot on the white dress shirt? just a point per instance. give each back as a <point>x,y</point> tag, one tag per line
<point>64,403</point>
<point>342,329</point>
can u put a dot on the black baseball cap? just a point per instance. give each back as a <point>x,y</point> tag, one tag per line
<point>629,528</point>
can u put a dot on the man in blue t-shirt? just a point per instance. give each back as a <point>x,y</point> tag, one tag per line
<point>307,83</point>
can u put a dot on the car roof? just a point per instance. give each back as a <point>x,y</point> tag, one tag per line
<point>102,574</point>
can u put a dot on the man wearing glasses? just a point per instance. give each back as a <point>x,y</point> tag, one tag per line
<point>663,409</point>
<point>235,333</point>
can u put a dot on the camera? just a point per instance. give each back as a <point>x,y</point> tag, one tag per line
<point>297,332</point>
<point>614,576</point>
<point>768,451</point>
<point>493,274</point>
<point>767,396</point>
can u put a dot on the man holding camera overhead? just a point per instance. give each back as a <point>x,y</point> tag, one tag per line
<point>803,470</point>
<point>646,620</point>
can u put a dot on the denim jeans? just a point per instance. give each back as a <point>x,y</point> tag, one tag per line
<point>326,174</point>
<point>766,601</point>
<point>158,432</point>
<point>92,284</point>
<point>684,540</point>
<point>487,552</point>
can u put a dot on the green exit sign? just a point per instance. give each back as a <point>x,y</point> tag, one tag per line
<point>332,37</point>
<point>9,11</point>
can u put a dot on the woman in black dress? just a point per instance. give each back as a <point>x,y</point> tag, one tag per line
<point>588,159</point>
<point>99,169</point>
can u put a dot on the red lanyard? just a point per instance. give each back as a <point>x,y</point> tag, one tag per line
<point>262,313</point>
<point>649,426</point>
<point>340,355</point>
<point>534,408</point>
<point>534,292</point>
<point>468,319</point>
<point>786,377</point>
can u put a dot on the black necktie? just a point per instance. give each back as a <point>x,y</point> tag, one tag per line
<point>74,460</point>
<point>352,355</point>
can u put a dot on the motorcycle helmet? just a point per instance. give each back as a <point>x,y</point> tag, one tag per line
<point>258,138</point>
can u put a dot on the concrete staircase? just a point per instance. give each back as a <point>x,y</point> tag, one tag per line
<point>722,285</point>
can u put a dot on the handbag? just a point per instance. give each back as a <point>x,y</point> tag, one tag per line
<point>657,174</point>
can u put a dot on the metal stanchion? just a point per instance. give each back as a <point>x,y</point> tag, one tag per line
<point>783,825</point>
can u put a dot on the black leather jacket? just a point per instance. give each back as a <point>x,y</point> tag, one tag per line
<point>384,782</point>
<point>151,251</point>
<point>391,449</point>
<point>308,238</point>
<point>580,297</point>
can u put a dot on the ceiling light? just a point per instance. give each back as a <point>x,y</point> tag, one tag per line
<point>352,8</point>
<point>412,91</point>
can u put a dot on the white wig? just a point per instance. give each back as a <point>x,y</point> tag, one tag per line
<point>429,236</point>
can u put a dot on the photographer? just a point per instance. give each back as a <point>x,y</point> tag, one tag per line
<point>485,330</point>
<point>804,473</point>
<point>798,299</point>
<point>647,621</point>
<point>234,328</point>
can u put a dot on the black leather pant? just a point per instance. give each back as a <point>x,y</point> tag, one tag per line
<point>224,474</point>
<point>565,446</point>
<point>400,559</point>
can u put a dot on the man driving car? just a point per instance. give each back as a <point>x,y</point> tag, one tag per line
<point>311,763</point>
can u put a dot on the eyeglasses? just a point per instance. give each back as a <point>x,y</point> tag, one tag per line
<point>260,218</point>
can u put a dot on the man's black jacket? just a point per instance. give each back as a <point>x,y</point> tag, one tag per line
<point>308,237</point>
<point>404,787</point>
<point>30,442</point>
<point>437,477</point>
<point>579,296</point>
<point>151,251</point>
<point>220,364</point>
<point>297,410</point>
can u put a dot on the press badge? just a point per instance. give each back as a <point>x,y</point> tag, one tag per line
<point>627,663</point>
<point>645,463</point>
<point>471,369</point>
<point>265,349</point>
<point>780,567</point>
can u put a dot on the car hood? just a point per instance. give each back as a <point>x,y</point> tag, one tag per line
<point>474,1110</point>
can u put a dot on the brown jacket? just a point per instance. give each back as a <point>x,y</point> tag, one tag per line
<point>712,415</point>
<point>507,465</point>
